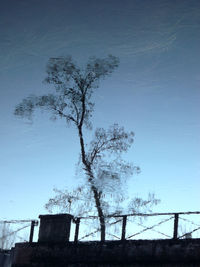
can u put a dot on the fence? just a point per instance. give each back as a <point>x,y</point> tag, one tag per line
<point>134,226</point>
<point>119,227</point>
<point>16,231</point>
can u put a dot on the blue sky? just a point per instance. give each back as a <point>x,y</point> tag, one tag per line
<point>155,92</point>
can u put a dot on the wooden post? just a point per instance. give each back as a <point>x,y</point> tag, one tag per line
<point>175,236</point>
<point>77,230</point>
<point>33,223</point>
<point>123,237</point>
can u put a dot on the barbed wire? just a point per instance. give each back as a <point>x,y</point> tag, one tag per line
<point>115,216</point>
<point>11,233</point>
<point>156,231</point>
<point>150,228</point>
<point>98,230</point>
<point>21,238</point>
<point>113,235</point>
<point>142,214</point>
<point>92,233</point>
<point>17,221</point>
<point>189,232</point>
<point>189,221</point>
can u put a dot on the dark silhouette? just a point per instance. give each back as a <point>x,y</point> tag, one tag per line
<point>72,101</point>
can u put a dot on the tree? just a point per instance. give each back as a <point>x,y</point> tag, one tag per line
<point>72,101</point>
<point>7,236</point>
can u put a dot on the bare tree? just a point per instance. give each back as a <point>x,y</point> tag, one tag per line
<point>7,236</point>
<point>72,101</point>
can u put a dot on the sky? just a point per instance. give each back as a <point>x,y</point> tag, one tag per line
<point>155,92</point>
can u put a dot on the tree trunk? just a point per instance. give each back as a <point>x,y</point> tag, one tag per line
<point>93,188</point>
<point>100,213</point>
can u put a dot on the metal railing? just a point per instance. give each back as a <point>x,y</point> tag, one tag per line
<point>129,226</point>
<point>174,218</point>
<point>7,232</point>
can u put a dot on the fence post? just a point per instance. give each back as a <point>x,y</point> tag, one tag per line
<point>33,224</point>
<point>77,230</point>
<point>175,236</point>
<point>124,227</point>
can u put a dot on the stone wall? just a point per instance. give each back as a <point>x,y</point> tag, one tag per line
<point>109,253</point>
<point>5,258</point>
